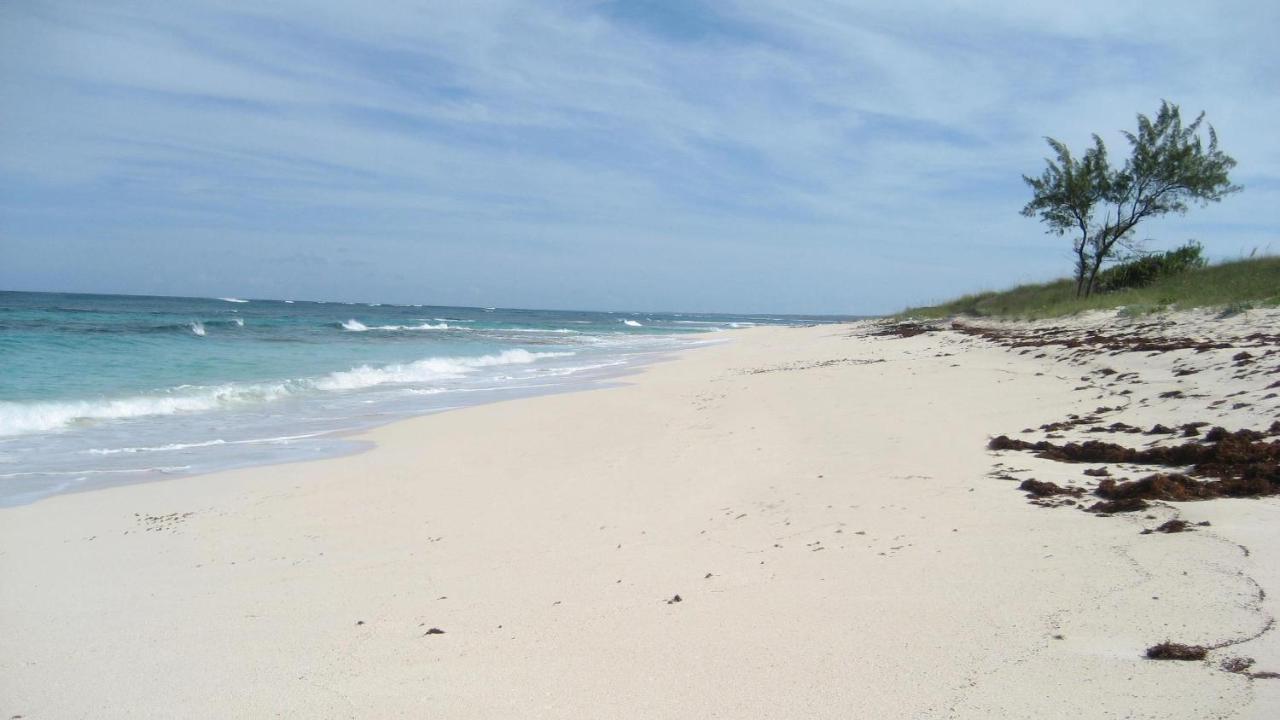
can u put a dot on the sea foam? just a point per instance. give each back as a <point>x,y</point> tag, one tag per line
<point>426,370</point>
<point>354,325</point>
<point>20,418</point>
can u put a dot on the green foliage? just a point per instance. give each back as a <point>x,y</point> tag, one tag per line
<point>1169,169</point>
<point>1236,285</point>
<point>1145,269</point>
<point>1066,195</point>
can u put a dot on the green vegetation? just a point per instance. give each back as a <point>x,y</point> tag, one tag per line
<point>1235,286</point>
<point>1144,269</point>
<point>1169,168</point>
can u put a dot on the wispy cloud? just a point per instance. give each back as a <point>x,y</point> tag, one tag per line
<point>802,156</point>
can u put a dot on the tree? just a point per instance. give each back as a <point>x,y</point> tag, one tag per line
<point>1169,168</point>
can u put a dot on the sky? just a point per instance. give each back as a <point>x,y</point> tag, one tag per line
<point>797,156</point>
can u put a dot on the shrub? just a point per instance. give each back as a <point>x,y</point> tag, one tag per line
<point>1146,269</point>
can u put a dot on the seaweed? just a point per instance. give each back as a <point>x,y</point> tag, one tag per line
<point>1040,488</point>
<point>1176,651</point>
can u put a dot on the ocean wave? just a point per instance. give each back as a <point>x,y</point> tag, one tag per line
<point>631,323</point>
<point>166,469</point>
<point>354,325</point>
<point>197,328</point>
<point>19,418</point>
<point>207,443</point>
<point>423,326</point>
<point>22,418</point>
<point>427,370</point>
<point>238,322</point>
<point>233,300</point>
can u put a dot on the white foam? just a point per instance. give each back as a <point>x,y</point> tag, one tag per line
<point>233,300</point>
<point>357,326</point>
<point>631,323</point>
<point>158,448</point>
<point>197,328</point>
<point>166,469</point>
<point>238,321</point>
<point>208,443</point>
<point>423,326</point>
<point>426,370</point>
<point>24,418</point>
<point>21,418</point>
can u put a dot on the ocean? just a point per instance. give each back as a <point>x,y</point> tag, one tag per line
<point>99,390</point>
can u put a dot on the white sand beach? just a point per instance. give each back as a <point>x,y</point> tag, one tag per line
<point>793,523</point>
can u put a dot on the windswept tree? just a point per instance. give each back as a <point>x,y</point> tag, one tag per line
<point>1169,168</point>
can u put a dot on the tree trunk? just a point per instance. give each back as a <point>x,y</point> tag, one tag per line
<point>1093,275</point>
<point>1082,264</point>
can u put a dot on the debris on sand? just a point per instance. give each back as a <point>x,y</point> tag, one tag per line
<point>1170,526</point>
<point>1237,664</point>
<point>1179,488</point>
<point>905,330</point>
<point>1176,651</point>
<point>433,631</point>
<point>1047,489</point>
<point>1243,463</point>
<point>675,599</point>
<point>1119,506</point>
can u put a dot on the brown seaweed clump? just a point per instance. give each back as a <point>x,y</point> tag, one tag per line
<point>905,330</point>
<point>1122,505</point>
<point>1176,651</point>
<point>1243,463</point>
<point>1041,488</point>
<point>1170,526</point>
<point>1180,488</point>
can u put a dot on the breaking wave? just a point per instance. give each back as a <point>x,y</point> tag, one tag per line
<point>20,418</point>
<point>354,325</point>
<point>207,443</point>
<point>426,370</point>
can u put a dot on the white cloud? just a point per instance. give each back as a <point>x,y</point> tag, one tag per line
<point>879,138</point>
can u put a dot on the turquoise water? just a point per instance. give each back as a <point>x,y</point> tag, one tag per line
<point>106,389</point>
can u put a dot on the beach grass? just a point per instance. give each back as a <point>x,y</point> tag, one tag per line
<point>1235,286</point>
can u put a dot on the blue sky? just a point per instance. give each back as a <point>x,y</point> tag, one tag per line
<point>799,156</point>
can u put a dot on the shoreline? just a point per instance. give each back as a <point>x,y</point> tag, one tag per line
<point>820,500</point>
<point>349,441</point>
